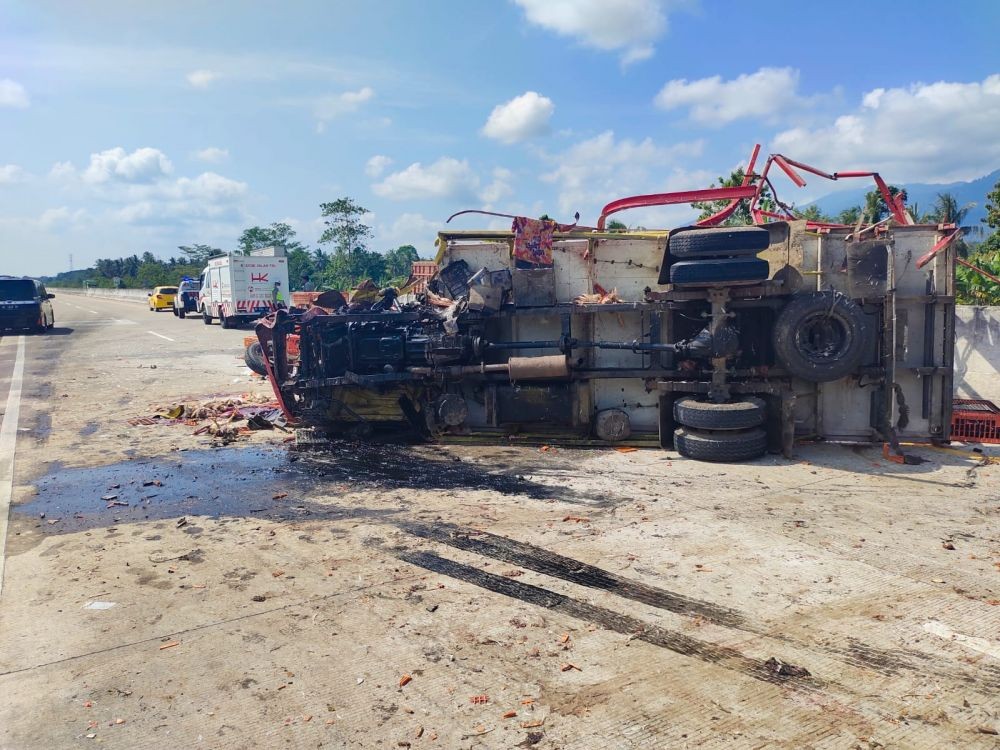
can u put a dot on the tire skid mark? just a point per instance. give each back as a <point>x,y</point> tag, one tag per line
<point>549,563</point>
<point>679,643</point>
<point>856,653</point>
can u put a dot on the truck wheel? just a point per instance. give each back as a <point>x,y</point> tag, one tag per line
<point>723,447</point>
<point>254,357</point>
<point>206,318</point>
<point>708,415</point>
<point>718,242</point>
<point>180,313</point>
<point>821,336</point>
<point>718,271</point>
<point>225,321</point>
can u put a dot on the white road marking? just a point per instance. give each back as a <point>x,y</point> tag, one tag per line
<point>160,335</point>
<point>8,440</point>
<point>981,645</point>
<point>92,311</point>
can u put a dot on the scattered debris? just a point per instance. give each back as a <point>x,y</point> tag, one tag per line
<point>508,714</point>
<point>170,644</point>
<point>405,680</point>
<point>948,544</point>
<point>479,700</point>
<point>532,723</point>
<point>258,598</point>
<point>569,666</point>
<point>776,666</point>
<point>99,605</point>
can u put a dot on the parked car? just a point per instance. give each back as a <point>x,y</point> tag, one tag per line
<point>186,299</point>
<point>24,303</point>
<point>162,298</point>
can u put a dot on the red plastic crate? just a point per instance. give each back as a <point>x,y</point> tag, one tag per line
<point>975,421</point>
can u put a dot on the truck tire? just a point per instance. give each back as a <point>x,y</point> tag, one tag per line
<point>225,321</point>
<point>181,313</point>
<point>708,415</point>
<point>722,447</point>
<point>254,357</point>
<point>206,317</point>
<point>718,242</point>
<point>718,271</point>
<point>821,336</point>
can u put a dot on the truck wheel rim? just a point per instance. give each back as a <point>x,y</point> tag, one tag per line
<point>823,337</point>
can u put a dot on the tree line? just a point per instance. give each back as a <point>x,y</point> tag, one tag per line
<point>342,261</point>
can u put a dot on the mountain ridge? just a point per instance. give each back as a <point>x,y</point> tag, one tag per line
<point>920,194</point>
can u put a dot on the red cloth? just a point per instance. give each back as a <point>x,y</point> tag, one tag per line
<point>533,240</point>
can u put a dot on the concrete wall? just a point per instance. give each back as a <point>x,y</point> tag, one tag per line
<point>977,353</point>
<point>129,295</point>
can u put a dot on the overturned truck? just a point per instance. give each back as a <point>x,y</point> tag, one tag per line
<point>721,342</point>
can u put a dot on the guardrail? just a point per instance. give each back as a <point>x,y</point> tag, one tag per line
<point>127,295</point>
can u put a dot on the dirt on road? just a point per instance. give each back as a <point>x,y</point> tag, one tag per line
<point>490,596</point>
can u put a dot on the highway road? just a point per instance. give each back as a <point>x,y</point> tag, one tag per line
<point>164,590</point>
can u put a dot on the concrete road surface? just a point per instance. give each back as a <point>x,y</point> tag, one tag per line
<point>161,590</point>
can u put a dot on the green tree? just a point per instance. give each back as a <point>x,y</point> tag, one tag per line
<point>849,216</point>
<point>992,218</point>
<point>399,263</point>
<point>345,229</point>
<point>348,269</point>
<point>812,213</point>
<point>198,254</point>
<point>947,211</point>
<point>277,234</point>
<point>875,207</point>
<point>741,216</point>
<point>615,226</point>
<point>972,288</point>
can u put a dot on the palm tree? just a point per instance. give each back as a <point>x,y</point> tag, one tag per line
<point>947,211</point>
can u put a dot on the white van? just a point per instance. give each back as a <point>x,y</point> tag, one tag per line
<point>239,288</point>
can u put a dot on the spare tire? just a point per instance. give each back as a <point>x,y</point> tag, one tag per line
<point>719,271</point>
<point>717,242</point>
<point>708,415</point>
<point>821,336</point>
<point>254,357</point>
<point>720,446</point>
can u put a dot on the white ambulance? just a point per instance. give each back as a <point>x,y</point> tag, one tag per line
<point>238,288</point>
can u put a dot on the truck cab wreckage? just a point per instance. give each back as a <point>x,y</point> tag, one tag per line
<point>721,342</point>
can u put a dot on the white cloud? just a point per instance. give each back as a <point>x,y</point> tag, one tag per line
<point>410,229</point>
<point>12,94</point>
<point>115,164</point>
<point>631,26</point>
<point>11,174</point>
<point>141,189</point>
<point>711,101</point>
<point>445,178</point>
<point>499,188</point>
<point>54,219</point>
<point>519,119</point>
<point>202,79</point>
<point>212,155</point>
<point>327,108</point>
<point>377,165</point>
<point>600,169</point>
<point>936,132</point>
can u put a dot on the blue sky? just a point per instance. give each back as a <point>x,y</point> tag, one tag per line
<point>127,127</point>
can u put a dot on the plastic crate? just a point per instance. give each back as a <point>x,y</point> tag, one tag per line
<point>975,421</point>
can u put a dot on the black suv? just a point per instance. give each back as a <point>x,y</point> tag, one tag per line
<point>24,303</point>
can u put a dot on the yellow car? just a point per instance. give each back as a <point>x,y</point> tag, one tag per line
<point>162,298</point>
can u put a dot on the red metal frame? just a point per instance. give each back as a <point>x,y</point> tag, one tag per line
<point>975,421</point>
<point>752,187</point>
